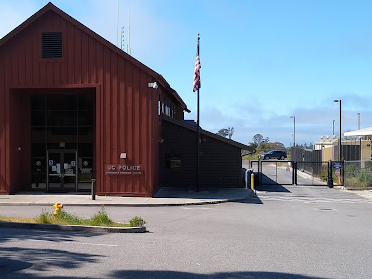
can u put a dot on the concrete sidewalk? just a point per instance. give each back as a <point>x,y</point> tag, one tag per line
<point>166,196</point>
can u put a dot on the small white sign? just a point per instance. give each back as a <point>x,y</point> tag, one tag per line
<point>50,163</point>
<point>69,171</point>
<point>65,166</point>
<point>54,168</point>
<point>337,172</point>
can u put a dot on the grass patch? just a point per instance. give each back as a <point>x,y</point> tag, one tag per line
<point>17,219</point>
<point>64,218</point>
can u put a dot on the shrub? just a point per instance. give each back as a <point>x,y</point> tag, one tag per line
<point>137,222</point>
<point>365,177</point>
<point>101,219</point>
<point>368,165</point>
<point>350,170</point>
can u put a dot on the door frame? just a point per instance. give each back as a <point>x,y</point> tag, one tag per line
<point>61,153</point>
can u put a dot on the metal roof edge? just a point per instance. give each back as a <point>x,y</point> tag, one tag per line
<point>205,132</point>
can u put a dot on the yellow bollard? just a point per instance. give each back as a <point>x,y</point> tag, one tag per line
<point>252,181</point>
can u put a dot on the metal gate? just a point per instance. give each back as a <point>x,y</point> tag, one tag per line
<point>312,173</point>
<point>271,172</point>
<point>319,173</point>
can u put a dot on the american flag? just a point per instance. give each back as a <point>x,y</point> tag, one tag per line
<point>196,84</point>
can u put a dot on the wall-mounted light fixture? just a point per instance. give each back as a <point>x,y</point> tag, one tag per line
<point>153,85</point>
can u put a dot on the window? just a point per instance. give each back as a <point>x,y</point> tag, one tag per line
<point>173,161</point>
<point>51,43</point>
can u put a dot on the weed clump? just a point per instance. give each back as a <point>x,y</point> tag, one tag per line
<point>44,218</point>
<point>101,219</point>
<point>137,222</point>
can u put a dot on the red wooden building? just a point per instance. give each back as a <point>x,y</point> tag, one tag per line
<point>74,107</point>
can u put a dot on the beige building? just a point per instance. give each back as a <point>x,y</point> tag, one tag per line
<point>356,145</point>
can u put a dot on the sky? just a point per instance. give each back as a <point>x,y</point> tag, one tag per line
<point>262,61</point>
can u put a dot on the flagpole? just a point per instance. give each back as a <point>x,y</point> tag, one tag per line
<point>196,87</point>
<point>197,147</point>
<point>198,132</point>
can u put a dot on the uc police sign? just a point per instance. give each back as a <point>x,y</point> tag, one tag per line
<point>123,169</point>
<point>337,165</point>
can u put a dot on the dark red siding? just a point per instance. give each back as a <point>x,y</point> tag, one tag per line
<point>220,161</point>
<point>127,117</point>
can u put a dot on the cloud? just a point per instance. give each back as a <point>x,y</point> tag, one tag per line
<point>311,124</point>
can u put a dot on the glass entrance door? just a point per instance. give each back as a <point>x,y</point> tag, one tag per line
<point>62,120</point>
<point>61,176</point>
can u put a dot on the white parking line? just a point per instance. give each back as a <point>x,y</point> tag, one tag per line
<point>98,244</point>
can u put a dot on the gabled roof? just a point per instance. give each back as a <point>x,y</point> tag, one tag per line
<point>50,7</point>
<point>206,133</point>
<point>361,132</point>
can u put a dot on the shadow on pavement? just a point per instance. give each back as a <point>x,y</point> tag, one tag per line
<point>24,262</point>
<point>7,234</point>
<point>252,200</point>
<point>270,185</point>
<point>203,193</point>
<point>128,274</point>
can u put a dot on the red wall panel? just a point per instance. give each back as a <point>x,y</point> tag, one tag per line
<point>126,109</point>
<point>3,147</point>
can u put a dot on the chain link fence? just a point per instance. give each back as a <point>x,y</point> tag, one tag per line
<point>358,174</point>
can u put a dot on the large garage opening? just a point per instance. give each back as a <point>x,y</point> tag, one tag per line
<point>62,139</point>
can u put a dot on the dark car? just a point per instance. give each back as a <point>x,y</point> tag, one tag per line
<point>274,154</point>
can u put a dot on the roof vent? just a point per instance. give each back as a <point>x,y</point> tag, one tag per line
<point>51,44</point>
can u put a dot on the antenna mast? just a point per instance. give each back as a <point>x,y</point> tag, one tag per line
<point>129,51</point>
<point>122,38</point>
<point>117,28</point>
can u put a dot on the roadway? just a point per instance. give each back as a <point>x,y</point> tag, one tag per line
<point>284,231</point>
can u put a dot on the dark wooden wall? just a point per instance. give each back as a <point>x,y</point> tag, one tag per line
<point>220,162</point>
<point>127,117</point>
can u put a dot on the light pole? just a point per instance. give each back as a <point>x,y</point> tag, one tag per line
<point>333,129</point>
<point>294,135</point>
<point>339,140</point>
<point>358,120</point>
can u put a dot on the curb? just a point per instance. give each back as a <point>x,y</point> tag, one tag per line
<point>118,204</point>
<point>128,204</point>
<point>80,228</point>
